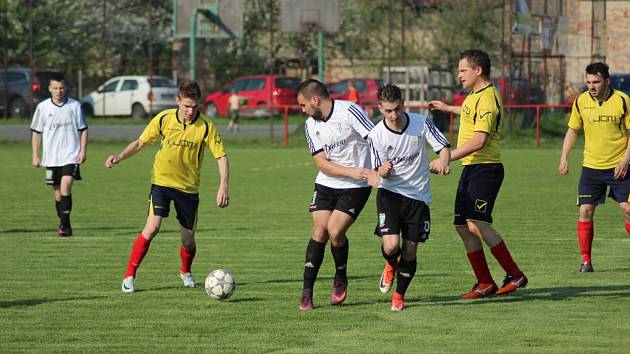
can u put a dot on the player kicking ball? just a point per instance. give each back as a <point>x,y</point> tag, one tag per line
<point>184,134</point>
<point>401,175</point>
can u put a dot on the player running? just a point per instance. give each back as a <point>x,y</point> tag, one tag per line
<point>335,134</point>
<point>402,175</point>
<point>183,133</point>
<point>482,176</point>
<point>60,125</point>
<point>603,113</point>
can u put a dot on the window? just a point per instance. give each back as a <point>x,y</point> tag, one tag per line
<point>129,85</point>
<point>287,83</point>
<point>340,87</point>
<point>237,85</point>
<point>111,87</point>
<point>255,84</point>
<point>161,82</point>
<point>360,86</point>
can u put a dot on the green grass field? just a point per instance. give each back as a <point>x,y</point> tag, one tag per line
<point>63,295</point>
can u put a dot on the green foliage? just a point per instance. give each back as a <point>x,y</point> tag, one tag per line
<point>63,295</point>
<point>460,25</point>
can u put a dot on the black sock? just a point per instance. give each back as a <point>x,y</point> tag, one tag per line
<point>391,258</point>
<point>340,255</point>
<point>58,208</point>
<point>312,261</point>
<point>65,207</point>
<point>406,271</point>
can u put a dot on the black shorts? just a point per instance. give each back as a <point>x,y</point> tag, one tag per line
<point>349,200</point>
<point>477,191</point>
<point>186,205</point>
<point>54,174</point>
<point>593,185</point>
<point>399,214</point>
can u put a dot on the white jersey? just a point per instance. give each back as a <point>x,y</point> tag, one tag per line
<point>342,138</point>
<point>60,126</point>
<point>406,150</point>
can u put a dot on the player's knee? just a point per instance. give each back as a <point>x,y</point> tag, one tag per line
<point>320,233</point>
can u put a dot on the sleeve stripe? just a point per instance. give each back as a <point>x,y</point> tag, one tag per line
<point>316,152</point>
<point>309,141</point>
<point>436,133</point>
<point>376,159</point>
<point>365,122</point>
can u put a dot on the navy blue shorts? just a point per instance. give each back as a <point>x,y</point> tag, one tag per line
<point>54,174</point>
<point>348,200</point>
<point>477,191</point>
<point>398,215</point>
<point>186,205</point>
<point>593,185</point>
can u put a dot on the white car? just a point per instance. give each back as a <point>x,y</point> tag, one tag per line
<point>131,96</point>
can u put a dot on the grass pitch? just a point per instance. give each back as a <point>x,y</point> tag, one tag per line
<point>63,295</point>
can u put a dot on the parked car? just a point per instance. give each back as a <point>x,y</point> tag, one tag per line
<point>21,91</point>
<point>520,92</point>
<point>256,91</point>
<point>367,88</point>
<point>134,96</point>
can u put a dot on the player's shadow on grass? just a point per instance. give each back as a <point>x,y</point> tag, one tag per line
<point>326,279</point>
<point>125,229</point>
<point>34,302</point>
<point>534,294</point>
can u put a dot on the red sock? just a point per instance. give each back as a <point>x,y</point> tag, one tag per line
<point>627,228</point>
<point>138,251</point>
<point>503,256</point>
<point>480,266</point>
<point>585,233</point>
<point>187,258</point>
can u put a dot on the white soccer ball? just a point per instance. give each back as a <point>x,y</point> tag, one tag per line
<point>220,284</point>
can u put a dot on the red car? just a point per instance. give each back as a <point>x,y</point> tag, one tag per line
<point>256,92</point>
<point>367,88</point>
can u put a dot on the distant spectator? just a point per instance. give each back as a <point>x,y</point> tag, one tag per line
<point>353,95</point>
<point>235,107</point>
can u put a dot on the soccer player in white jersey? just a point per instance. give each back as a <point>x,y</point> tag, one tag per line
<point>335,133</point>
<point>402,175</point>
<point>59,124</point>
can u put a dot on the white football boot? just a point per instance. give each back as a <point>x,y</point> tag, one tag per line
<point>188,279</point>
<point>129,284</point>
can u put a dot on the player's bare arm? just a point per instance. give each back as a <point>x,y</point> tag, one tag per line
<point>129,151</point>
<point>441,165</point>
<point>223,199</point>
<point>441,106</point>
<point>83,150</point>
<point>36,142</point>
<point>476,143</point>
<point>332,169</point>
<point>569,140</point>
<point>622,168</point>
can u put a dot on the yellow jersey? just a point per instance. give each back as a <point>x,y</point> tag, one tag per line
<point>178,162</point>
<point>605,126</point>
<point>481,111</point>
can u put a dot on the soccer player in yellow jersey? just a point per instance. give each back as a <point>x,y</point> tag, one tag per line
<point>604,115</point>
<point>183,133</point>
<point>481,178</point>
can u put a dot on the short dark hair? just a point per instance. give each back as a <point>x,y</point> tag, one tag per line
<point>57,77</point>
<point>312,87</point>
<point>189,89</point>
<point>477,58</point>
<point>598,68</point>
<point>389,93</point>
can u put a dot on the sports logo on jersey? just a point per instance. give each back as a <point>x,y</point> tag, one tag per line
<point>339,127</point>
<point>481,206</point>
<point>381,219</point>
